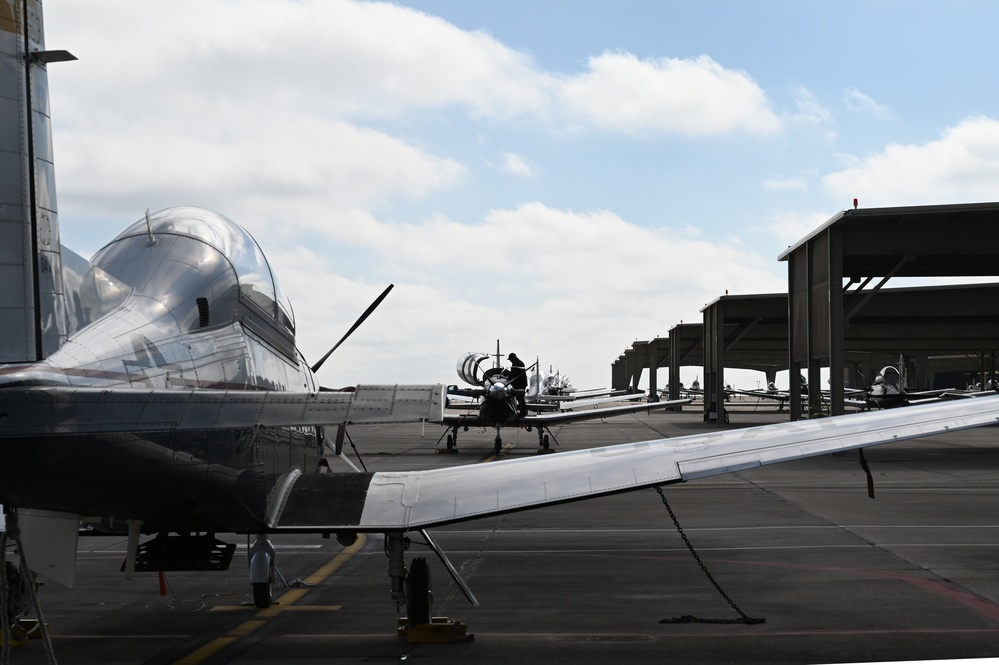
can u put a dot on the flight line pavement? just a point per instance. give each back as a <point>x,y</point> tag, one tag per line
<point>838,577</point>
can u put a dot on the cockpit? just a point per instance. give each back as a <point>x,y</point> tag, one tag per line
<point>228,249</point>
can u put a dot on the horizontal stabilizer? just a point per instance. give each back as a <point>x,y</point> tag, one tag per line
<point>61,410</point>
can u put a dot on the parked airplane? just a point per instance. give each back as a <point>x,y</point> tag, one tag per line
<point>497,406</point>
<point>161,387</point>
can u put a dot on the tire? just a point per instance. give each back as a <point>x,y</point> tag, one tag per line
<point>262,594</point>
<point>418,592</point>
<point>498,446</point>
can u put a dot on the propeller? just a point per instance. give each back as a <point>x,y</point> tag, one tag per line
<point>367,313</point>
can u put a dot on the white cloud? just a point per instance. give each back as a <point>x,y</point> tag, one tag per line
<point>695,97</point>
<point>810,109</point>
<point>345,167</point>
<point>790,227</point>
<point>334,57</point>
<point>961,166</point>
<point>530,275</point>
<point>516,165</point>
<point>255,109</point>
<point>857,101</point>
<point>779,184</point>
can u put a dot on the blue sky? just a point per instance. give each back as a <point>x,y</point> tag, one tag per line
<point>566,177</point>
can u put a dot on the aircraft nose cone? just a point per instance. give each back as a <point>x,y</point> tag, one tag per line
<point>497,390</point>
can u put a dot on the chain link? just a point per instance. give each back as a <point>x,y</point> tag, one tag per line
<point>743,617</point>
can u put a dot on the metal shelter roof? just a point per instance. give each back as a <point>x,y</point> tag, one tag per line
<point>831,269</point>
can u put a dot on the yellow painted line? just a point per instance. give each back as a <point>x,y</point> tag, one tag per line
<point>493,458</point>
<point>283,604</point>
<point>201,654</point>
<point>292,608</point>
<point>245,628</point>
<point>334,564</point>
<point>291,596</point>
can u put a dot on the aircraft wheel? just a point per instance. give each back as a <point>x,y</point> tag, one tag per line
<point>262,594</point>
<point>450,442</point>
<point>418,594</point>
<point>498,446</point>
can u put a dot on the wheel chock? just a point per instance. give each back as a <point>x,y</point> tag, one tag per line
<point>21,632</point>
<point>440,630</point>
<point>545,451</point>
<point>447,451</point>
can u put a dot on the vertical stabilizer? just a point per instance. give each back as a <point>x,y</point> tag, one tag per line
<point>32,299</point>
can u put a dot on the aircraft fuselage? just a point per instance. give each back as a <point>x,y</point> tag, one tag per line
<point>185,300</point>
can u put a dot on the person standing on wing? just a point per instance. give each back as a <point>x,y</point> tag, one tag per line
<point>518,380</point>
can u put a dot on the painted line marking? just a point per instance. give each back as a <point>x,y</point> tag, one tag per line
<point>282,604</point>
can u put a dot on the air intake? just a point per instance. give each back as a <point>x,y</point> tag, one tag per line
<point>203,311</point>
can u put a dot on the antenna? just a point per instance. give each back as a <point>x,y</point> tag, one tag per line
<point>149,228</point>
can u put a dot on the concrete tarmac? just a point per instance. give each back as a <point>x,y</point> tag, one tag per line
<point>838,577</point>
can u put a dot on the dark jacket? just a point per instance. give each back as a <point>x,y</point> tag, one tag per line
<point>518,375</point>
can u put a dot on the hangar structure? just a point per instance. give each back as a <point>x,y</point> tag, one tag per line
<point>857,325</point>
<point>746,332</point>
<point>934,328</point>
<point>831,270</point>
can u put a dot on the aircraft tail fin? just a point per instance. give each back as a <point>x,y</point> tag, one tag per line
<point>32,292</point>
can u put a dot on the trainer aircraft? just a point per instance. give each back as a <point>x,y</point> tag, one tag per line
<point>158,386</point>
<point>496,406</point>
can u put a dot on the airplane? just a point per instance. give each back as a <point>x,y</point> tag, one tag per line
<point>160,387</point>
<point>497,406</point>
<point>889,390</point>
<point>772,392</point>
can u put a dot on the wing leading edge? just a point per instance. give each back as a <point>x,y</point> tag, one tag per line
<point>421,499</point>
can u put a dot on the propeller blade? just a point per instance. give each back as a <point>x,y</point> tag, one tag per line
<point>367,313</point>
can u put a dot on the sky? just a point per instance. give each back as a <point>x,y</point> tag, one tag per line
<point>565,177</point>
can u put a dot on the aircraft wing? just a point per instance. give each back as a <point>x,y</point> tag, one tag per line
<point>387,501</point>
<point>577,394</point>
<point>604,399</point>
<point>566,416</point>
<point>765,395</point>
<point>50,410</point>
<point>562,417</point>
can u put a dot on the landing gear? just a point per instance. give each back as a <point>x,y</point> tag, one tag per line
<point>261,560</point>
<point>18,589</point>
<point>262,594</point>
<point>418,595</point>
<point>544,445</point>
<point>411,589</point>
<point>17,603</point>
<point>452,441</point>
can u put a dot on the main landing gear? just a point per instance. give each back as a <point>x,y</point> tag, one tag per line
<point>544,439</point>
<point>412,589</point>
<point>18,592</point>
<point>452,440</point>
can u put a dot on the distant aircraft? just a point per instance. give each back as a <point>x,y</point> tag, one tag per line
<point>496,405</point>
<point>159,385</point>
<point>772,392</point>
<point>889,390</point>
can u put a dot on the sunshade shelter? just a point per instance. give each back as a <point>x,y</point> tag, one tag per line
<point>835,272</point>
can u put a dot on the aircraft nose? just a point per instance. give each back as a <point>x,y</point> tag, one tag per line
<point>497,390</point>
